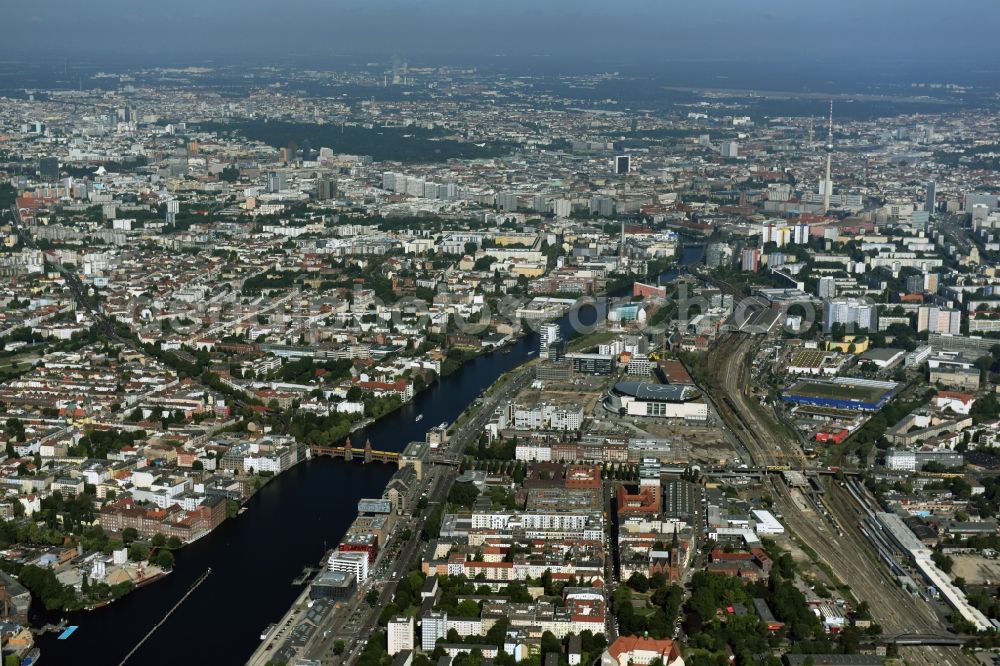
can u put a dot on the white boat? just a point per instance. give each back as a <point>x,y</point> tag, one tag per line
<point>419,416</point>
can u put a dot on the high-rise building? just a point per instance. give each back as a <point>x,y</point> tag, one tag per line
<point>853,313</point>
<point>973,198</point>
<point>717,254</point>
<point>939,320</point>
<point>826,287</point>
<point>277,181</point>
<point>507,201</point>
<point>325,189</point>
<point>433,625</point>
<point>729,149</point>
<point>562,207</point>
<point>623,165</point>
<point>48,169</point>
<point>750,259</point>
<point>930,198</point>
<point>400,634</point>
<point>602,205</point>
<point>548,338</point>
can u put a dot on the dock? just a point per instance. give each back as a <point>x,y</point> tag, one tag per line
<point>56,628</point>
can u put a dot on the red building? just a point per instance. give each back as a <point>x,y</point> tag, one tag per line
<point>648,290</point>
<point>365,543</point>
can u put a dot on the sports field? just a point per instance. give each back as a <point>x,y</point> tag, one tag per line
<point>837,391</point>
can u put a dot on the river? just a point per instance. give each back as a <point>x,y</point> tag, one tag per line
<point>287,525</point>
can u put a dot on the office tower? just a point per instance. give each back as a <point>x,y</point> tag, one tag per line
<point>931,196</point>
<point>538,203</point>
<point>400,634</point>
<point>48,169</point>
<point>388,181</point>
<point>729,149</point>
<point>827,183</point>
<point>350,561</point>
<point>548,336</point>
<point>973,198</point>
<point>276,182</point>
<point>623,165</point>
<point>325,189</point>
<point>826,287</point>
<point>853,313</point>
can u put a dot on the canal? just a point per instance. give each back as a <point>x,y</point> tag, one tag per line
<point>287,525</point>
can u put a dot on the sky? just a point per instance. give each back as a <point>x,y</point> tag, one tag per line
<point>838,31</point>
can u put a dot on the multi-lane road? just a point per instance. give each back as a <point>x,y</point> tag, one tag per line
<point>843,549</point>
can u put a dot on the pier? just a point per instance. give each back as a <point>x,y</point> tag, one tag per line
<point>348,452</point>
<point>166,616</point>
<point>307,572</point>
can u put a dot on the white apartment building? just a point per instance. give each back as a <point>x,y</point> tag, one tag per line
<point>353,562</point>
<point>401,632</point>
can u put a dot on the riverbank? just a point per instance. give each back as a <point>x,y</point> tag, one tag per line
<point>290,522</point>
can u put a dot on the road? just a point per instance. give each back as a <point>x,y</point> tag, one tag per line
<point>355,621</point>
<point>847,554</point>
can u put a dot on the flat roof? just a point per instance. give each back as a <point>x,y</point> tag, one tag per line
<point>650,391</point>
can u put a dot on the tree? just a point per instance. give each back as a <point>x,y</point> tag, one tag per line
<point>164,559</point>
<point>338,647</point>
<point>158,540</point>
<point>372,597</point>
<point>551,644</point>
<point>463,494</point>
<point>467,608</point>
<point>138,552</point>
<point>130,534</point>
<point>173,543</point>
<point>638,582</point>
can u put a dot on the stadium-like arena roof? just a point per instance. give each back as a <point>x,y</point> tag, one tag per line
<point>657,392</point>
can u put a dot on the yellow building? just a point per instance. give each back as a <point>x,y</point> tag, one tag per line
<point>860,345</point>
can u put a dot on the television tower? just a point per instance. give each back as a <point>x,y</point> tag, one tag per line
<point>828,184</point>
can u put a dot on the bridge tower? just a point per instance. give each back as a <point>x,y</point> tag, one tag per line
<point>368,450</point>
<point>348,454</point>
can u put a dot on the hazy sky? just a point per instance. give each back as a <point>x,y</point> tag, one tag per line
<point>837,31</point>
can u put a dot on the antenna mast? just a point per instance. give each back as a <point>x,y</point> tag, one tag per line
<point>827,183</point>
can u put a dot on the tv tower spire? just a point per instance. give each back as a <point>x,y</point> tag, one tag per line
<point>827,183</point>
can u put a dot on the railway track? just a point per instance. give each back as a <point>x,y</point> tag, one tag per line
<point>848,555</point>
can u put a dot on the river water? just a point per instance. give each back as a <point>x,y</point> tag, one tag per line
<point>287,525</point>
